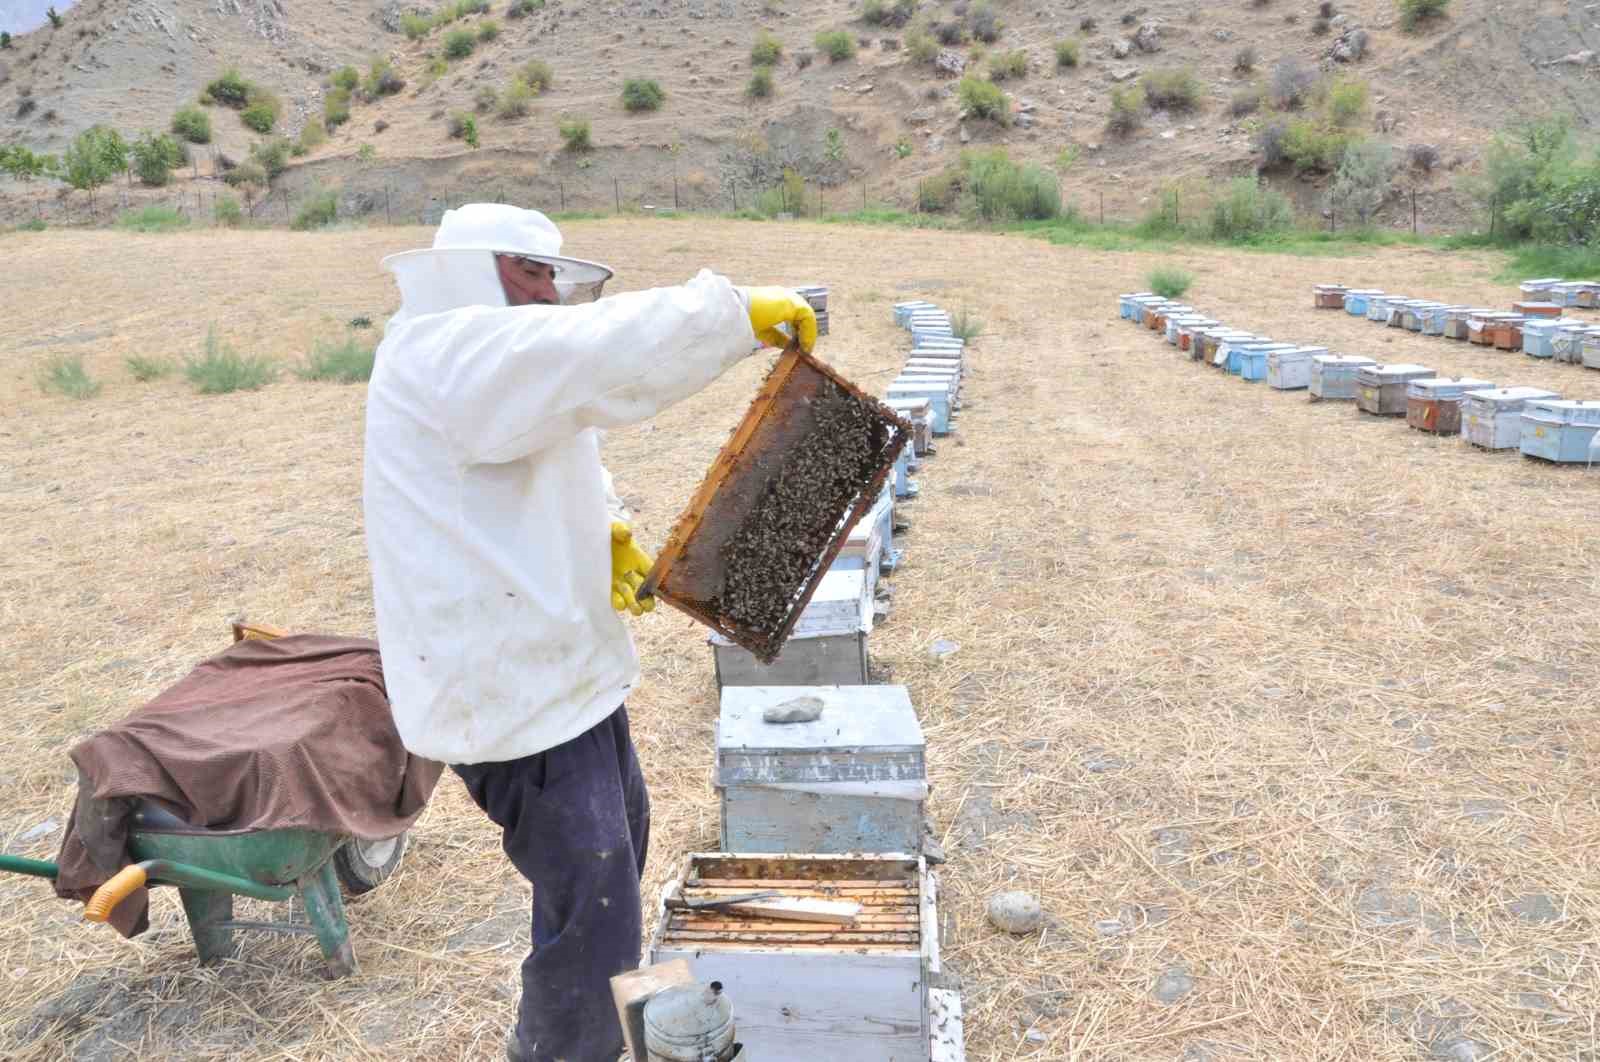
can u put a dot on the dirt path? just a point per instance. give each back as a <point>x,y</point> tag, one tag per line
<point>1287,713</point>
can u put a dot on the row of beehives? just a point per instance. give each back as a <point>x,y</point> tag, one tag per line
<point>1536,325</point>
<point>1537,422</point>
<point>829,805</point>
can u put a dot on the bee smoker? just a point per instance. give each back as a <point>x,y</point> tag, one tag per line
<point>691,1023</point>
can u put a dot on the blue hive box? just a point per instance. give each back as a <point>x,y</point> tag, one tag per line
<point>1559,429</point>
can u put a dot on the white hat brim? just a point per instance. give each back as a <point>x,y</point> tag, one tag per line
<point>568,270</point>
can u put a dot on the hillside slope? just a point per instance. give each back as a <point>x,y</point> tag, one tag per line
<point>130,63</point>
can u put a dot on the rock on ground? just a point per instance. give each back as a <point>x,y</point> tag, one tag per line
<point>1015,912</point>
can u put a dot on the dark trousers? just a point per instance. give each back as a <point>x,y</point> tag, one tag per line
<point>576,822</point>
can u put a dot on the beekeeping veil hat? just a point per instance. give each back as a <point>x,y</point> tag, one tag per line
<point>459,270</point>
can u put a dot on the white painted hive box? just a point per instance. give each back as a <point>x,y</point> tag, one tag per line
<point>1290,370</point>
<point>920,412</point>
<point>853,780</point>
<point>1493,419</point>
<point>828,646</point>
<point>1560,429</point>
<point>1333,376</point>
<point>810,992</point>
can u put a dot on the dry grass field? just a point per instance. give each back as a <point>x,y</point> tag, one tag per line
<point>1283,705</point>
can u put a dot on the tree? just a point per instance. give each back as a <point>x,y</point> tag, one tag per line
<point>1363,179</point>
<point>5,39</point>
<point>97,155</point>
<point>55,19</point>
<point>24,165</point>
<point>155,156</point>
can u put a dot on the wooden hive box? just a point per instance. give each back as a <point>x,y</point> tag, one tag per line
<point>854,780</point>
<point>938,394</point>
<point>810,992</point>
<point>1213,344</point>
<point>1493,419</point>
<point>1507,332</point>
<point>1290,370</point>
<point>919,411</point>
<point>1328,296</point>
<point>1333,376</point>
<point>1142,305</point>
<point>1168,312</point>
<point>1559,429</point>
<point>1481,326</point>
<point>1436,318</point>
<point>1189,329</point>
<point>1381,389</point>
<point>1358,300</point>
<point>1537,309</point>
<point>1456,322</point>
<point>827,647</point>
<point>1434,405</point>
<point>1538,289</point>
<point>1253,360</point>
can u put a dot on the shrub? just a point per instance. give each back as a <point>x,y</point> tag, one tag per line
<point>642,94</point>
<point>5,40</point>
<point>458,44</point>
<point>1320,27</point>
<point>1087,23</point>
<point>347,362</point>
<point>1173,90</point>
<point>1009,66</point>
<point>272,155</point>
<point>996,189</point>
<point>336,108</point>
<point>1347,101</point>
<point>985,25</point>
<point>258,117</point>
<point>228,212</point>
<point>575,134</point>
<point>538,75</point>
<point>219,369</point>
<point>951,33</point>
<point>1269,144</point>
<point>314,135</point>
<point>146,369</point>
<point>1248,208</point>
<point>1415,12</point>
<point>903,148</point>
<point>415,27</point>
<point>1362,182</point>
<point>766,51</point>
<point>65,374</point>
<point>381,80</point>
<point>521,8</point>
<point>366,153</point>
<point>983,99</point>
<point>1316,148</point>
<point>95,156</point>
<point>1067,53</point>
<point>456,124</point>
<point>155,157</point>
<point>193,124</point>
<point>1291,82</point>
<point>964,326</point>
<point>1246,100</point>
<point>938,193</point>
<point>1325,9</point>
<point>26,106</point>
<point>921,46</point>
<point>760,85</point>
<point>347,78</point>
<point>488,30</point>
<point>248,172</point>
<point>1422,157</point>
<point>55,19</point>
<point>1244,60</point>
<point>230,89</point>
<point>485,99</point>
<point>517,100</point>
<point>1169,282</point>
<point>874,12</point>
<point>1127,110</point>
<point>837,45</point>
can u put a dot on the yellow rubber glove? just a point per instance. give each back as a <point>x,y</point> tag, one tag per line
<point>771,307</point>
<point>629,566</point>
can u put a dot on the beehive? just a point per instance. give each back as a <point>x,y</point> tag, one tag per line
<point>919,412</point>
<point>904,310</point>
<point>1213,348</point>
<point>1167,313</point>
<point>1253,360</point>
<point>1290,370</point>
<point>869,541</point>
<point>1435,317</point>
<point>806,992</point>
<point>1175,322</point>
<point>950,377</point>
<point>1434,405</point>
<point>1559,429</point>
<point>816,296</point>
<point>1328,296</point>
<point>1231,352</point>
<point>1537,309</point>
<point>853,780</point>
<point>1456,321</point>
<point>1358,300</point>
<point>1378,307</point>
<point>1414,312</point>
<point>938,394</point>
<point>1187,328</point>
<point>1493,419</point>
<point>1590,353</point>
<point>1538,289</point>
<point>1127,305</point>
<point>808,459</point>
<point>1333,376</point>
<point>1381,389</point>
<point>1539,336</point>
<point>1139,303</point>
<point>1566,342</point>
<point>928,363</point>
<point>904,486</point>
<point>828,645</point>
<point>1507,332</point>
<point>1482,326</point>
<point>1151,311</point>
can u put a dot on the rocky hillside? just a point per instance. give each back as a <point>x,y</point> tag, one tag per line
<point>875,124</point>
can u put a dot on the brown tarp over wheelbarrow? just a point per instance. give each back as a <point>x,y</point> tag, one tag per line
<point>286,732</point>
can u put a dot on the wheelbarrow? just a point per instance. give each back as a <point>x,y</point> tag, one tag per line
<point>210,867</point>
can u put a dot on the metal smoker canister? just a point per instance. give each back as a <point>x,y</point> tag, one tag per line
<point>690,1023</point>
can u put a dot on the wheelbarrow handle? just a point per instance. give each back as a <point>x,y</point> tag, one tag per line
<point>119,887</point>
<point>37,868</point>
<point>166,872</point>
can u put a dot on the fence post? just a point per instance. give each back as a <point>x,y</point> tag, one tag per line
<point>387,219</point>
<point>616,189</point>
<point>674,191</point>
<point>735,185</point>
<point>863,195</point>
<point>561,187</point>
<point>1102,206</point>
<point>1413,211</point>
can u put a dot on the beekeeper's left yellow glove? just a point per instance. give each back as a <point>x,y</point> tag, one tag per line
<point>771,307</point>
<point>629,566</point>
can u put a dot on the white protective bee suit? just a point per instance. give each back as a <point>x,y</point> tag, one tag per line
<point>487,508</point>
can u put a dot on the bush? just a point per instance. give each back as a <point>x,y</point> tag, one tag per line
<point>65,374</point>
<point>155,157</point>
<point>1347,101</point>
<point>1009,66</point>
<point>248,172</point>
<point>938,193</point>
<point>485,100</point>
<point>193,124</point>
<point>879,13</point>
<point>336,108</point>
<point>575,134</point>
<point>228,212</point>
<point>522,8</point>
<point>1248,208</point>
<point>366,153</point>
<point>1067,53</point>
<point>983,99</point>
<point>837,45</point>
<point>219,369</point>
<point>381,80</point>
<point>313,136</point>
<point>1127,110</point>
<point>1415,12</point>
<point>517,100</point>
<point>1422,157</point>
<point>1325,9</point>
<point>347,78</point>
<point>5,40</point>
<point>272,155</point>
<point>760,85</point>
<point>984,23</point>
<point>964,326</point>
<point>1362,182</point>
<point>951,33</point>
<point>488,30</point>
<point>55,19</point>
<point>1291,83</point>
<point>415,27</point>
<point>538,75</point>
<point>230,89</point>
<point>458,44</point>
<point>1172,90</point>
<point>642,94</point>
<point>146,369</point>
<point>1169,282</point>
<point>921,46</point>
<point>766,51</point>
<point>1269,144</point>
<point>874,12</point>
<point>1244,60</point>
<point>996,189</point>
<point>1320,27</point>
<point>347,362</point>
<point>258,117</point>
<point>1245,101</point>
<point>1315,148</point>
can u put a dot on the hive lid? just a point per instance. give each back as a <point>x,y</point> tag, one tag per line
<point>1354,361</point>
<point>853,717</point>
<point>1509,397</point>
<point>1446,387</point>
<point>1398,371</point>
<point>1565,410</point>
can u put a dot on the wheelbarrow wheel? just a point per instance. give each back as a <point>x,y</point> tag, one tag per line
<point>364,865</point>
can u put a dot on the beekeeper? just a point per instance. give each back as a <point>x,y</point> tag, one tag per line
<point>502,561</point>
